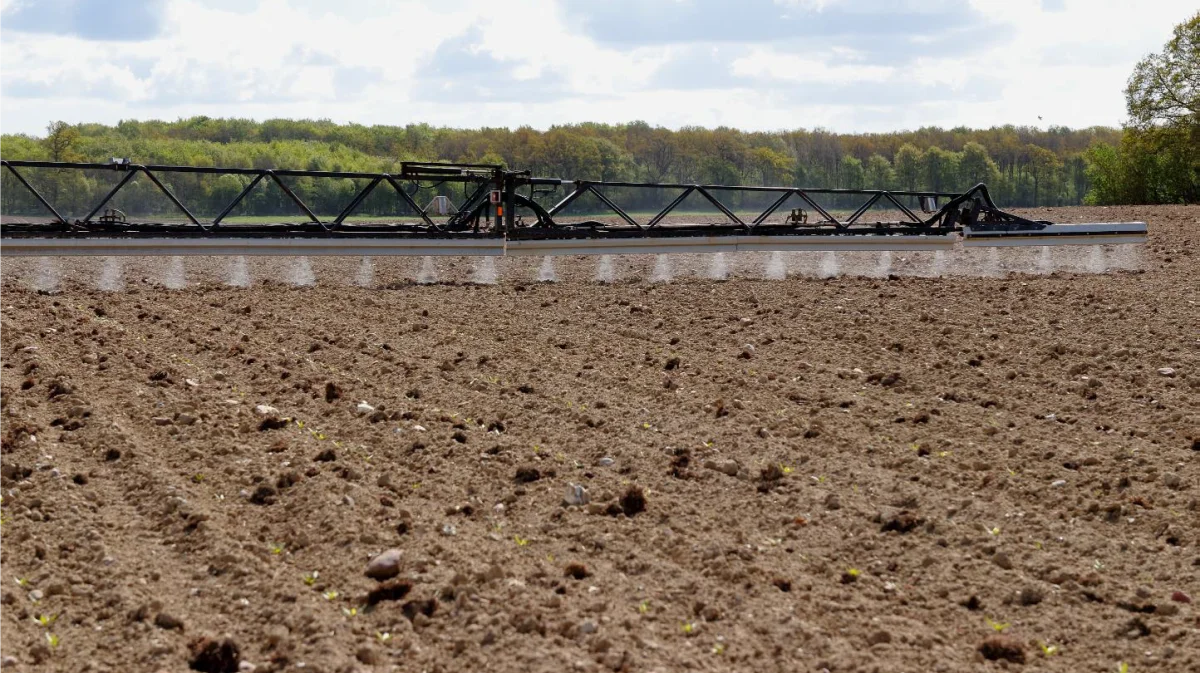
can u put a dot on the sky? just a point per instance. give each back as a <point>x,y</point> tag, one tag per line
<point>843,65</point>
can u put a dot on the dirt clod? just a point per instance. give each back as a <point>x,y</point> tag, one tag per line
<point>389,591</point>
<point>272,423</point>
<point>1006,648</point>
<point>576,571</point>
<point>903,521</point>
<point>214,656</point>
<point>633,501</point>
<point>264,495</point>
<point>527,474</point>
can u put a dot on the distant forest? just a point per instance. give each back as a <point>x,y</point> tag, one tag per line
<point>1023,166</point>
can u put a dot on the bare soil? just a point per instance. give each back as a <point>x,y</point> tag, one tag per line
<point>848,474</point>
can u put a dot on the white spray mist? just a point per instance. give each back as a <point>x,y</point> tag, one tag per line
<point>485,271</point>
<point>428,273</point>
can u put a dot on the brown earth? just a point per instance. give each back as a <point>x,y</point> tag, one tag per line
<point>914,474</point>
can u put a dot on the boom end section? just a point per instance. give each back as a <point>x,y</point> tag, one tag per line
<point>1101,233</point>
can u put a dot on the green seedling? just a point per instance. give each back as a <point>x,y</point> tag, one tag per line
<point>688,628</point>
<point>330,595</point>
<point>198,478</point>
<point>383,636</point>
<point>311,578</point>
<point>718,648</point>
<point>998,627</point>
<point>21,582</point>
<point>785,469</point>
<point>276,549</point>
<point>52,639</point>
<point>1123,667</point>
<point>521,542</point>
<point>644,606</point>
<point>1049,650</point>
<point>45,620</point>
<point>854,572</point>
<point>350,612</point>
<point>994,530</point>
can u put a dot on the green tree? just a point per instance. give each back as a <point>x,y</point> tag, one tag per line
<point>1163,101</point>
<point>908,166</point>
<point>851,173</point>
<point>975,165</point>
<point>879,174</point>
<point>61,140</point>
<point>1105,173</point>
<point>1043,164</point>
<point>774,168</point>
<point>1164,89</point>
<point>939,167</point>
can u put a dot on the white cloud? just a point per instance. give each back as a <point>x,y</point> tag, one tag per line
<point>480,63</point>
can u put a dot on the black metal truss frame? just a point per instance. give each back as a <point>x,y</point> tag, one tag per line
<point>490,209</point>
<point>874,196</point>
<point>411,172</point>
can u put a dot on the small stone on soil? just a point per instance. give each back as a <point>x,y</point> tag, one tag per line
<point>729,467</point>
<point>576,496</point>
<point>384,566</point>
<point>169,622</point>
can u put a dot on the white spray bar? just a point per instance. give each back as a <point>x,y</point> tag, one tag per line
<point>1108,233</point>
<point>180,246</point>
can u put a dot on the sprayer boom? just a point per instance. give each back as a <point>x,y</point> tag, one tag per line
<point>503,212</point>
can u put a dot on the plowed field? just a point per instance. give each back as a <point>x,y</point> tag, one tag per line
<point>899,473</point>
